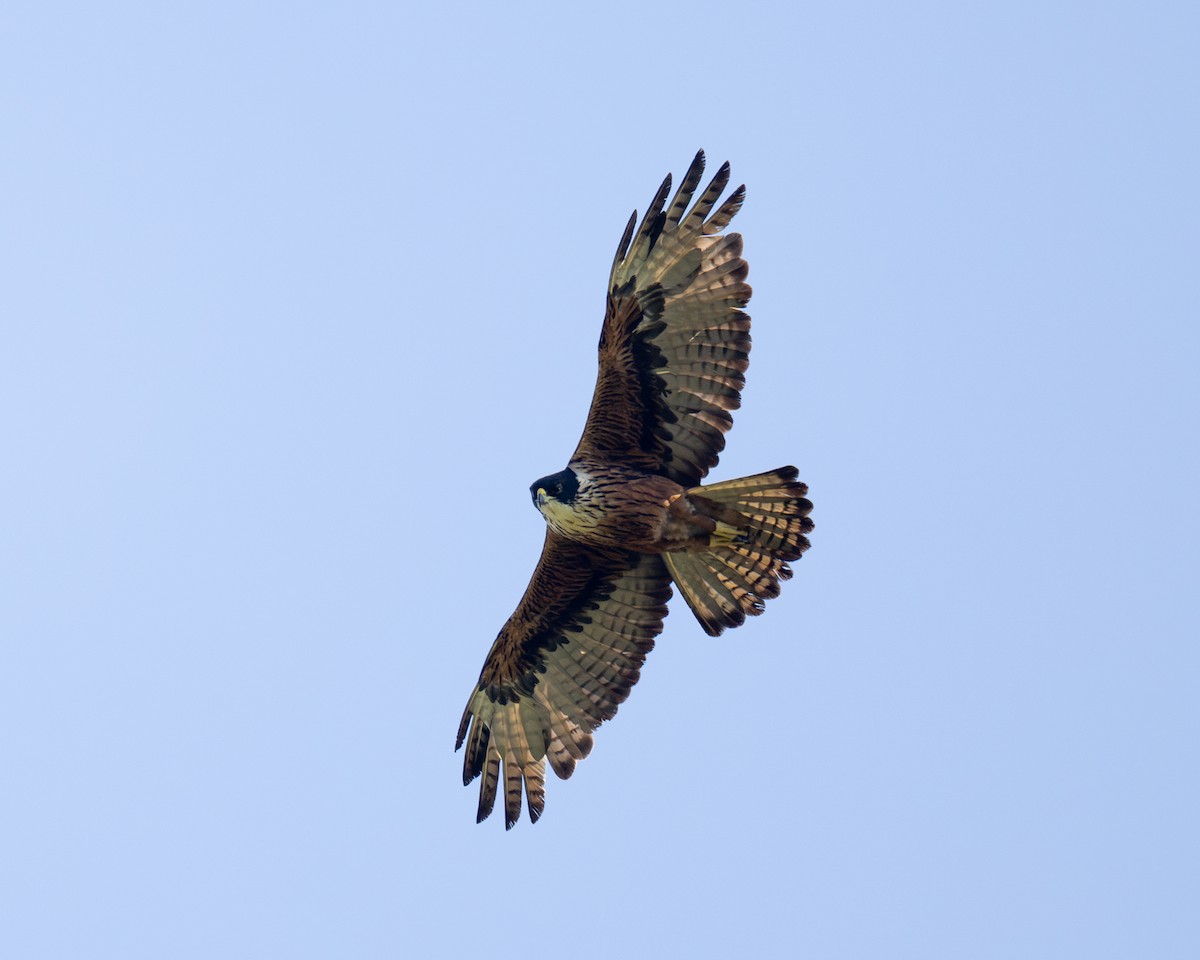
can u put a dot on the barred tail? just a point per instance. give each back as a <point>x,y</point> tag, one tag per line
<point>728,583</point>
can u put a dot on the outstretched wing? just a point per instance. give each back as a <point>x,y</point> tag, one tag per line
<point>675,343</point>
<point>562,664</point>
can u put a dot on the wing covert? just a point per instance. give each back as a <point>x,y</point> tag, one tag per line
<point>675,343</point>
<point>562,664</point>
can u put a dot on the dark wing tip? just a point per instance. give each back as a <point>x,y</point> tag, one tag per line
<point>661,196</point>
<point>712,628</point>
<point>462,727</point>
<point>626,237</point>
<point>487,800</point>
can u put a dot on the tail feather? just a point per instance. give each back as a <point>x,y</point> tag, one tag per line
<point>725,584</point>
<point>773,505</point>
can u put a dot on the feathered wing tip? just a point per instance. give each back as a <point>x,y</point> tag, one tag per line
<point>725,585</point>
<point>560,739</point>
<point>699,216</point>
<point>726,212</point>
<point>520,726</point>
<point>516,738</point>
<point>651,227</point>
<point>636,245</point>
<point>687,186</point>
<point>626,237</point>
<point>692,341</point>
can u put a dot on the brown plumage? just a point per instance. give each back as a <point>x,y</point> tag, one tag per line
<point>628,515</point>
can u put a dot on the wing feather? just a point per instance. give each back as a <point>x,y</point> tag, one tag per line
<point>675,343</point>
<point>687,186</point>
<point>626,237</point>
<point>700,211</point>
<point>563,663</point>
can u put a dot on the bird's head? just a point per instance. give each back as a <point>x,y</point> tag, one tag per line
<point>557,489</point>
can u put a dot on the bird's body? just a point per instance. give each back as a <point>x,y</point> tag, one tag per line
<point>628,516</point>
<point>615,506</point>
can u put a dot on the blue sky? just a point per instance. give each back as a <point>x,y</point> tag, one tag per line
<point>297,300</point>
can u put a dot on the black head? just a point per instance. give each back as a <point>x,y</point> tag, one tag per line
<point>561,486</point>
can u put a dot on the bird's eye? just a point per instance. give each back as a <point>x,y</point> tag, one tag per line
<point>556,489</point>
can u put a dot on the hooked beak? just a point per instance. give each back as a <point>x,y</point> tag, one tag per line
<point>540,498</point>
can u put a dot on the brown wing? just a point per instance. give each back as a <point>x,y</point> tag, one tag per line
<point>675,343</point>
<point>562,664</point>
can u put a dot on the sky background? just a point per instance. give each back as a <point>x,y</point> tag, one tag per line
<point>297,299</point>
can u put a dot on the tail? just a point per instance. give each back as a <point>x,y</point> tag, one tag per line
<point>725,584</point>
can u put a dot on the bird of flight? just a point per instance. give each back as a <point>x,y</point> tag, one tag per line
<point>628,516</point>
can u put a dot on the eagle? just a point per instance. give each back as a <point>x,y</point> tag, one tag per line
<point>628,516</point>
